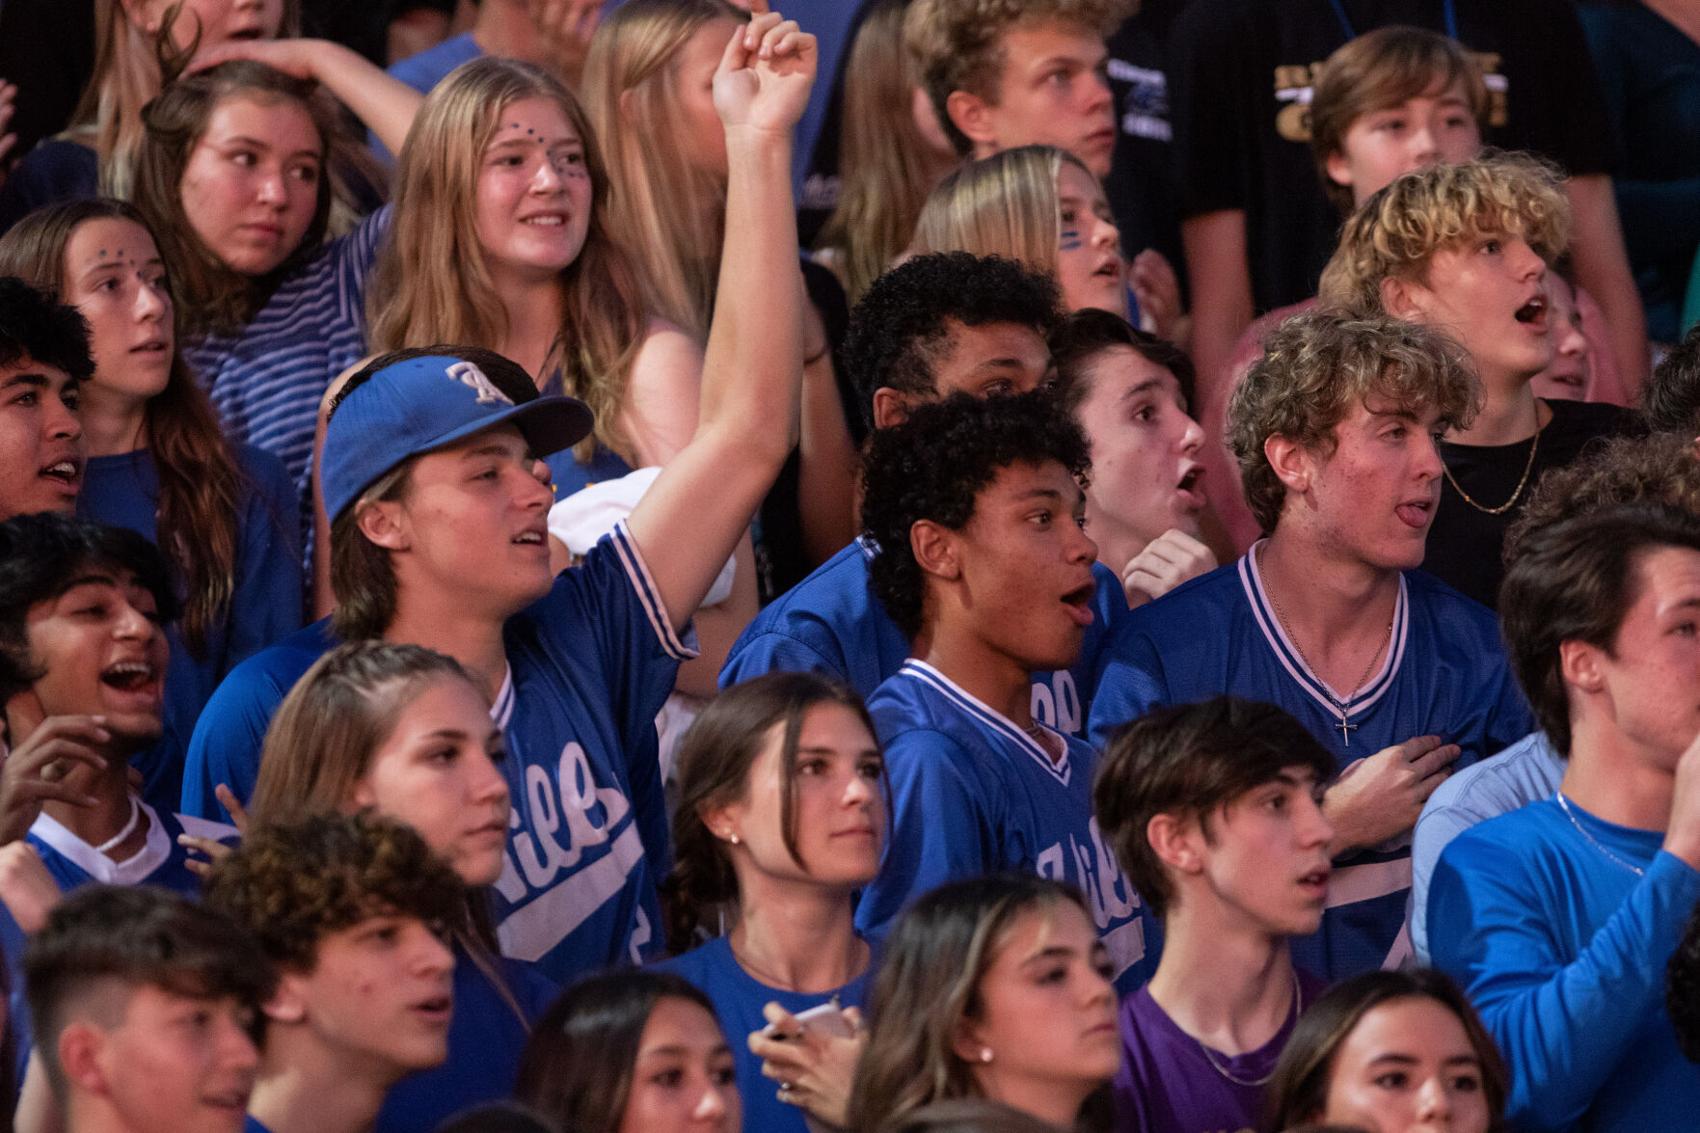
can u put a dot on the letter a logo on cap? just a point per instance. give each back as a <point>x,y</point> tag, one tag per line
<point>471,376</point>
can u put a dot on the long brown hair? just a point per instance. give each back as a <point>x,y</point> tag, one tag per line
<point>210,296</point>
<point>432,282</point>
<point>321,742</point>
<point>200,484</point>
<point>129,69</point>
<point>713,767</point>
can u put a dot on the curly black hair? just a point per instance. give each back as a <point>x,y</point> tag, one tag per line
<point>292,884</point>
<point>41,555</point>
<point>897,328</point>
<point>935,465</point>
<point>34,325</point>
<point>1671,399</point>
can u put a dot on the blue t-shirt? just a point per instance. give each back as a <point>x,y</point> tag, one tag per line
<point>266,603</point>
<point>1444,674</point>
<point>972,794</point>
<point>267,379</point>
<point>431,66</point>
<point>1527,771</point>
<point>74,863</point>
<point>1562,948</point>
<point>486,1039</point>
<point>831,623</point>
<point>738,998</point>
<point>590,665</point>
<point>55,170</point>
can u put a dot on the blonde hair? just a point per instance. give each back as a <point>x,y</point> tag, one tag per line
<point>433,283</point>
<point>1400,228</point>
<point>958,44</point>
<point>1315,367</point>
<point>666,213</point>
<point>1004,205</point>
<point>883,162</point>
<point>129,71</point>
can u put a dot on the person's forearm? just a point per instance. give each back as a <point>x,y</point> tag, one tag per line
<point>1602,267</point>
<point>1221,298</point>
<point>386,105</point>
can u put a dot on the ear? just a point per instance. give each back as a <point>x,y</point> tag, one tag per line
<point>974,116</point>
<point>721,819</point>
<point>966,1044</point>
<point>626,105</point>
<point>891,407</point>
<point>1404,299</point>
<point>1579,665</point>
<point>142,14</point>
<point>935,550</point>
<point>364,796</point>
<point>80,1048</point>
<point>24,714</point>
<point>288,1003</point>
<point>1177,842</point>
<point>385,524</point>
<point>1339,170</point>
<point>1293,464</point>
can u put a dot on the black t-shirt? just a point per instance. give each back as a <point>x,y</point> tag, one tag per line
<point>1464,543</point>
<point>47,52</point>
<point>1240,74</point>
<point>1141,187</point>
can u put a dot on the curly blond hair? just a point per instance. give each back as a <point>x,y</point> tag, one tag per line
<point>958,44</point>
<point>1315,367</point>
<point>1397,231</point>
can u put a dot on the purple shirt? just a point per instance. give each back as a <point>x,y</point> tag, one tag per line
<point>1169,1083</point>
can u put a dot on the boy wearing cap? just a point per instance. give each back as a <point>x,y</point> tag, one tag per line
<point>439,505</point>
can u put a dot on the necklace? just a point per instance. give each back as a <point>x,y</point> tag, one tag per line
<point>1528,467</point>
<point>1294,1012</point>
<point>1345,726</point>
<point>1564,805</point>
<point>117,839</point>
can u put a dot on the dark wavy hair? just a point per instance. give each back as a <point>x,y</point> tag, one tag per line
<point>1088,332</point>
<point>713,767</point>
<point>1671,398</point>
<point>577,1069</point>
<point>934,466</point>
<point>34,325</point>
<point>898,329</point>
<point>201,486</point>
<point>41,555</point>
<point>1298,1091</point>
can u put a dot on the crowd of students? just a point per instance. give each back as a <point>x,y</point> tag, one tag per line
<point>1180,612</point>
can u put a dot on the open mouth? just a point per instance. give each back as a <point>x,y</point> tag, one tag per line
<point>1191,485</point>
<point>534,537</point>
<point>435,1010</point>
<point>546,220</point>
<point>1110,270</point>
<point>1415,513</point>
<point>1533,313</point>
<point>154,346</point>
<point>66,472</point>
<point>1079,603</point>
<point>128,676</point>
<point>1316,881</point>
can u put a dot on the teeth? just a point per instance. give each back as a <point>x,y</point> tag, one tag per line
<point>548,221</point>
<point>130,669</point>
<point>62,468</point>
<point>529,537</point>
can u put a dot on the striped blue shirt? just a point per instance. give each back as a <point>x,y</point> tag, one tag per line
<point>267,379</point>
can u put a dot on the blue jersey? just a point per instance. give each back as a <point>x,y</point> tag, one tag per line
<point>972,793</point>
<point>74,863</point>
<point>265,604</point>
<point>486,1038</point>
<point>589,667</point>
<point>1562,948</point>
<point>1444,674</point>
<point>831,623</point>
<point>738,998</point>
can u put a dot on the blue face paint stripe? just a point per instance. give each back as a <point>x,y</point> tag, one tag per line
<point>1069,240</point>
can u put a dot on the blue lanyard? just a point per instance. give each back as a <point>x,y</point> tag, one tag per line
<point>1449,17</point>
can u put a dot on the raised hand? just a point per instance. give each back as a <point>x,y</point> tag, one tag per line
<point>565,28</point>
<point>1380,796</point>
<point>1166,562</point>
<point>814,1068</point>
<point>765,74</point>
<point>1158,290</point>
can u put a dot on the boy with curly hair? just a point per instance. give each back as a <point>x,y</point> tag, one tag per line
<point>984,565</point>
<point>1007,73</point>
<point>1465,249</point>
<point>351,912</point>
<point>1395,673</point>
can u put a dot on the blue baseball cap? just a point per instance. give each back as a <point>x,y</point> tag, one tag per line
<point>423,404</point>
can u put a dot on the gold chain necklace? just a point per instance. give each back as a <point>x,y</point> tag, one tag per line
<point>1293,1012</point>
<point>1345,727</point>
<point>1534,446</point>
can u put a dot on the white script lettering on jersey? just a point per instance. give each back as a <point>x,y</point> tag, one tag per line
<point>1056,702</point>
<point>473,378</point>
<point>1095,871</point>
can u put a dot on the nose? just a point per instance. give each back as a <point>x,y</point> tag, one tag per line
<point>61,421</point>
<point>1428,463</point>
<point>239,1052</point>
<point>1098,89</point>
<point>1526,262</point>
<point>711,1106</point>
<point>490,786</point>
<point>1314,829</point>
<point>547,179</point>
<point>1105,234</point>
<point>1192,436</point>
<point>430,955</point>
<point>132,623</point>
<point>152,302</point>
<point>1424,148</point>
<point>1434,1100</point>
<point>538,490</point>
<point>1081,548</point>
<point>270,190</point>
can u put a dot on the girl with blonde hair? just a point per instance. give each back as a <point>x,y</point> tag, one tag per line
<point>649,97</point>
<point>403,732</point>
<point>893,151</point>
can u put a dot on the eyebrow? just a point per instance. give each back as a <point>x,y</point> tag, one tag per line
<point>1401,1059</point>
<point>822,750</point>
<point>90,578</point>
<point>680,1050</point>
<point>1142,388</point>
<point>491,448</point>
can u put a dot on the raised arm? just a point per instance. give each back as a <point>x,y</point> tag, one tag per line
<point>384,104</point>
<point>693,516</point>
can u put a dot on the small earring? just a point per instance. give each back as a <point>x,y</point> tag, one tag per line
<point>733,838</point>
<point>985,1054</point>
